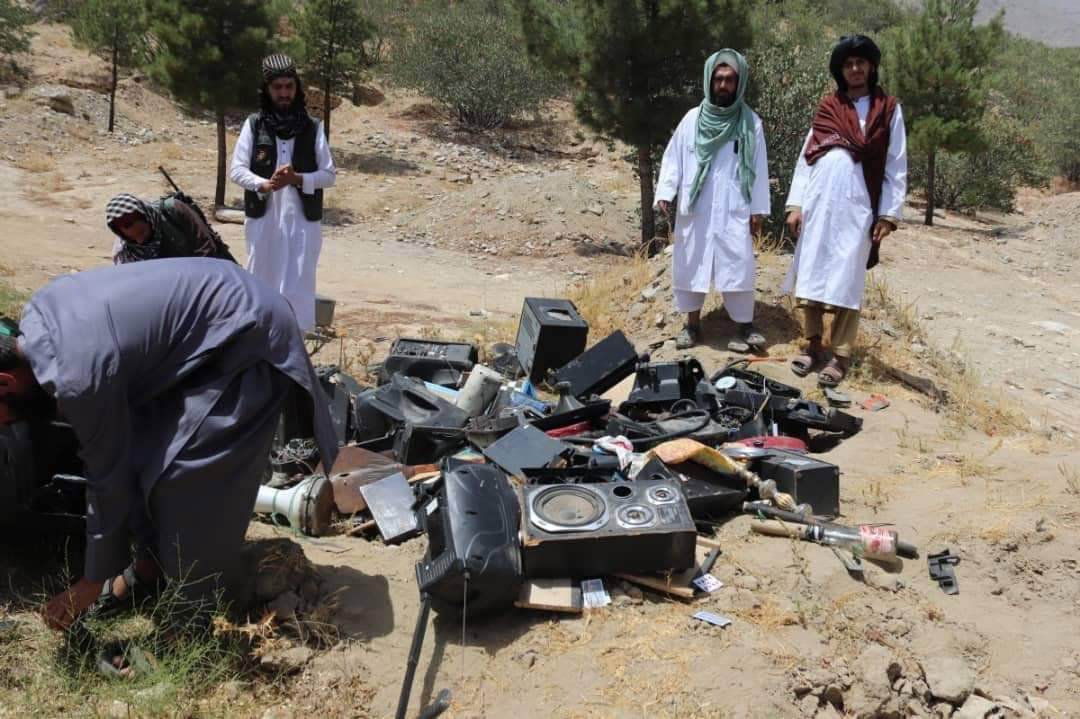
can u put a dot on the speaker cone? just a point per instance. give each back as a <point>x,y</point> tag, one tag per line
<point>568,508</point>
<point>635,516</point>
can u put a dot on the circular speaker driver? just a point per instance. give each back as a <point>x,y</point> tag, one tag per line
<point>568,508</point>
<point>635,516</point>
<point>662,495</point>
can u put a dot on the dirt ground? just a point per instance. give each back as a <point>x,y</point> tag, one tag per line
<point>432,229</point>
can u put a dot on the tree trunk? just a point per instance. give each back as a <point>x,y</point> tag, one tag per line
<point>929,218</point>
<point>112,88</point>
<point>326,109</point>
<point>219,189</point>
<point>648,219</point>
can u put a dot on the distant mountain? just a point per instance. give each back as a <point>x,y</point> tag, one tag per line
<point>1055,22</point>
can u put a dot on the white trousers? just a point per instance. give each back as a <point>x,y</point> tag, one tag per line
<point>739,305</point>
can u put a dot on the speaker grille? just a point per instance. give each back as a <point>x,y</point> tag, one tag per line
<point>568,509</point>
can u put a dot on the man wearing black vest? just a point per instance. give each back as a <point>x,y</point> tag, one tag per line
<point>282,160</point>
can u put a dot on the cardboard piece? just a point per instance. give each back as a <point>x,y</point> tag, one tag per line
<point>554,595</point>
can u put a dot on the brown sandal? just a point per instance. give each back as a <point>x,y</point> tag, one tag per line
<point>833,373</point>
<point>806,363</point>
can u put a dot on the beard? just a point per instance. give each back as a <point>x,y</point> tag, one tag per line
<point>723,99</point>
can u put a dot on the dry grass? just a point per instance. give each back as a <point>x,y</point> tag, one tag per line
<point>1071,476</point>
<point>968,402</point>
<point>35,162</point>
<point>172,151</point>
<point>602,300</point>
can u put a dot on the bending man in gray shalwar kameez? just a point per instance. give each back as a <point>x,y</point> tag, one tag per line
<point>172,374</point>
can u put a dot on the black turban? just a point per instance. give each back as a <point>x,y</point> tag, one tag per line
<point>854,46</point>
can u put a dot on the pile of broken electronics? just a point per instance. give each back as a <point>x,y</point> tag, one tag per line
<point>531,502</point>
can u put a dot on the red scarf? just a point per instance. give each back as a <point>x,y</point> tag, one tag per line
<point>836,124</point>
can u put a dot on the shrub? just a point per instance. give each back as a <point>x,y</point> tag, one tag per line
<point>987,178</point>
<point>471,58</point>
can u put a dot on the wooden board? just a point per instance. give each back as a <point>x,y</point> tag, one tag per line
<point>678,584</point>
<point>556,595</point>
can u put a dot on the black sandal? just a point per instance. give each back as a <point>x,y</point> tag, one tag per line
<point>133,658</point>
<point>139,591</point>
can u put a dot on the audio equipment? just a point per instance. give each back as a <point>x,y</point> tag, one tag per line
<point>441,363</point>
<point>307,507</point>
<point>805,478</point>
<point>584,530</point>
<point>708,493</point>
<point>600,367</point>
<point>550,334</point>
<point>473,559</point>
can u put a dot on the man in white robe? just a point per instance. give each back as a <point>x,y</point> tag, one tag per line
<point>717,165</point>
<point>846,196</point>
<point>282,160</point>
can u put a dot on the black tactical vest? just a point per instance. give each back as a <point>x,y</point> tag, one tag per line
<point>263,162</point>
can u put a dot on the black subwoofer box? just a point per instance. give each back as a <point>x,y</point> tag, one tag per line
<point>550,334</point>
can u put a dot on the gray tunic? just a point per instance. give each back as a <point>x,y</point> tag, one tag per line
<point>137,356</point>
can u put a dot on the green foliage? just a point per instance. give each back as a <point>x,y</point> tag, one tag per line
<point>209,51</point>
<point>116,31</point>
<point>386,23</point>
<point>939,73</point>
<point>985,179</point>
<point>1039,88</point>
<point>471,58</point>
<point>14,31</point>
<point>332,33</point>
<point>58,10</point>
<point>209,54</point>
<point>637,63</point>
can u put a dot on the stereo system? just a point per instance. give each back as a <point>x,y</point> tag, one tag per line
<point>594,529</point>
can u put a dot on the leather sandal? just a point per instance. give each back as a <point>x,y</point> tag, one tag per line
<point>139,591</point>
<point>135,660</point>
<point>806,363</point>
<point>833,373</point>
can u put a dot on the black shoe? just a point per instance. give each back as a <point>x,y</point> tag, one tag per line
<point>688,337</point>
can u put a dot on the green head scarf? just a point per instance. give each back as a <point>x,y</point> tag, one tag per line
<point>717,126</point>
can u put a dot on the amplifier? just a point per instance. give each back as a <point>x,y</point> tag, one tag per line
<point>550,334</point>
<point>708,494</point>
<point>471,520</point>
<point>601,367</point>
<point>585,530</point>
<point>440,363</point>
<point>805,478</point>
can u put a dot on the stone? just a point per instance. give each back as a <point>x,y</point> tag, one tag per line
<point>595,209</point>
<point>278,713</point>
<point>635,593</point>
<point>649,292</point>
<point>949,678</point>
<point>1055,327</point>
<point>55,97</point>
<point>284,606</point>
<point>834,695</point>
<point>118,710</point>
<point>232,689</point>
<point>808,705</point>
<point>154,694</point>
<point>942,710</point>
<point>876,669</point>
<point>660,320</point>
<point>747,582</point>
<point>1037,704</point>
<point>636,310</point>
<point>975,708</point>
<point>286,661</point>
<point>828,712</point>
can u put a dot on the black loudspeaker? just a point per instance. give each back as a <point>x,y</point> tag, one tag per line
<point>550,334</point>
<point>406,399</point>
<point>585,530</point>
<point>658,385</point>
<point>601,367</point>
<point>805,478</point>
<point>708,494</point>
<point>472,520</point>
<point>440,363</point>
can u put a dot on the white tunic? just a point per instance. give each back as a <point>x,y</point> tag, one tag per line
<point>712,242</point>
<point>283,246</point>
<point>829,265</point>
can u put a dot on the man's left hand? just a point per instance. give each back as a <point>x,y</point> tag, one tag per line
<point>882,229</point>
<point>288,176</point>
<point>757,224</point>
<point>60,611</point>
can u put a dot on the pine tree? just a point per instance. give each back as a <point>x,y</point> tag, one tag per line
<point>14,20</point>
<point>638,64</point>
<point>209,54</point>
<point>333,33</point>
<point>939,73</point>
<point>115,30</point>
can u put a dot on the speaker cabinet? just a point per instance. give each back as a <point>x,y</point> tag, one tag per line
<point>550,334</point>
<point>582,530</point>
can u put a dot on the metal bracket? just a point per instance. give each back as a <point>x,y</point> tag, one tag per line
<point>942,572</point>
